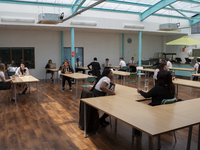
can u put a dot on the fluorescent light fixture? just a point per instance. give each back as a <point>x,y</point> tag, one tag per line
<point>134,26</point>
<point>21,20</point>
<point>83,23</point>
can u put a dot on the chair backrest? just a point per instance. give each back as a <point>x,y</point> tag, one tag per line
<point>90,79</point>
<point>11,73</point>
<point>133,75</point>
<point>124,67</point>
<point>168,101</point>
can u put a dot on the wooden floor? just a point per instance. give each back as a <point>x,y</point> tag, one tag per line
<point>52,124</point>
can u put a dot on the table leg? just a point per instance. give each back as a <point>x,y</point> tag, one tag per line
<point>115,125</point>
<point>199,139</point>
<point>189,138</point>
<point>15,93</point>
<point>191,80</point>
<point>37,92</point>
<point>116,78</point>
<point>124,80</point>
<point>159,145</point>
<point>76,87</point>
<point>57,76</point>
<point>177,91</point>
<point>150,143</point>
<point>85,121</point>
<point>29,88</point>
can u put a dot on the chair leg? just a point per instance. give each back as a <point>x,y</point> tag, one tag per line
<point>175,136</point>
<point>110,122</point>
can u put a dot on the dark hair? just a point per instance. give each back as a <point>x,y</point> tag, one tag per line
<point>107,59</point>
<point>121,58</point>
<point>22,71</point>
<point>105,72</point>
<point>198,59</point>
<point>161,66</point>
<point>132,57</point>
<point>95,59</point>
<point>165,79</point>
<point>167,59</point>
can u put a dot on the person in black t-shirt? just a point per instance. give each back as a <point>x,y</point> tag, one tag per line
<point>95,70</point>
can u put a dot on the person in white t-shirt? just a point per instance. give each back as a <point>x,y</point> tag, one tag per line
<point>121,65</point>
<point>196,68</point>
<point>102,88</point>
<point>5,84</point>
<point>169,64</point>
<point>22,71</point>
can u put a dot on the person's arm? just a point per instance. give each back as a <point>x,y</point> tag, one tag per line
<point>89,66</point>
<point>17,71</point>
<point>27,72</point>
<point>8,80</point>
<point>47,66</point>
<point>148,94</point>
<point>104,88</point>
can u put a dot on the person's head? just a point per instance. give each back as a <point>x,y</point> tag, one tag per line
<point>165,79</point>
<point>2,67</point>
<point>108,73</point>
<point>160,60</point>
<point>198,59</point>
<point>162,66</point>
<point>22,66</point>
<point>77,59</point>
<point>121,58</point>
<point>132,58</point>
<point>107,60</point>
<point>166,59</point>
<point>95,59</point>
<point>49,61</point>
<point>66,63</point>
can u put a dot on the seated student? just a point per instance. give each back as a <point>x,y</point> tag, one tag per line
<point>158,63</point>
<point>164,90</point>
<point>162,66</point>
<point>102,88</point>
<point>196,68</point>
<point>132,65</point>
<point>12,68</point>
<point>48,66</point>
<point>6,84</point>
<point>121,65</point>
<point>22,71</point>
<point>169,64</point>
<point>95,70</point>
<point>78,64</point>
<point>67,69</point>
<point>106,64</point>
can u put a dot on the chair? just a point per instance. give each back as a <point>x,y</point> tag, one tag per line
<point>11,73</point>
<point>90,80</point>
<point>167,101</point>
<point>124,68</point>
<point>132,77</point>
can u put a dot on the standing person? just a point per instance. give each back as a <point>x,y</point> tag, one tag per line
<point>95,70</point>
<point>22,71</point>
<point>102,88</point>
<point>132,65</point>
<point>49,71</point>
<point>196,68</point>
<point>164,90</point>
<point>169,64</point>
<point>6,84</point>
<point>67,69</point>
<point>78,64</point>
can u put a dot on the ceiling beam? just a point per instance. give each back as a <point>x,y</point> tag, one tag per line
<point>151,10</point>
<point>81,11</point>
<point>179,12</point>
<point>79,3</point>
<point>190,1</point>
<point>195,19</point>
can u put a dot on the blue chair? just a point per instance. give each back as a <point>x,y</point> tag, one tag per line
<point>90,80</point>
<point>11,73</point>
<point>124,68</point>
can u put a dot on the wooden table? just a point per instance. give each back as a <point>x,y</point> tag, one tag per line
<point>182,69</point>
<point>153,121</point>
<point>54,70</point>
<point>121,73</point>
<point>189,83</point>
<point>76,76</point>
<point>82,69</point>
<point>25,79</point>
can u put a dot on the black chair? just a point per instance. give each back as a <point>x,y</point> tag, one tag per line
<point>188,61</point>
<point>178,60</point>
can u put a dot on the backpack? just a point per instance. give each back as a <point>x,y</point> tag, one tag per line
<point>198,71</point>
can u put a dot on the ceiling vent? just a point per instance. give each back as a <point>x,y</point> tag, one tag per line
<point>169,26</point>
<point>48,18</point>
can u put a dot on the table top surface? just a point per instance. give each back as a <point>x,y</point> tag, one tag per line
<point>183,69</point>
<point>25,79</point>
<point>189,83</point>
<point>148,70</point>
<point>84,68</point>
<point>151,120</point>
<point>122,73</point>
<point>55,69</point>
<point>114,66</point>
<point>197,75</point>
<point>76,75</point>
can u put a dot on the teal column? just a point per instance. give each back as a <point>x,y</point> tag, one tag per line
<point>140,49</point>
<point>123,45</point>
<point>62,47</point>
<point>140,57</point>
<point>72,49</point>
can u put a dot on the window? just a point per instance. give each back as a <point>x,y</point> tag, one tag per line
<point>26,55</point>
<point>78,54</point>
